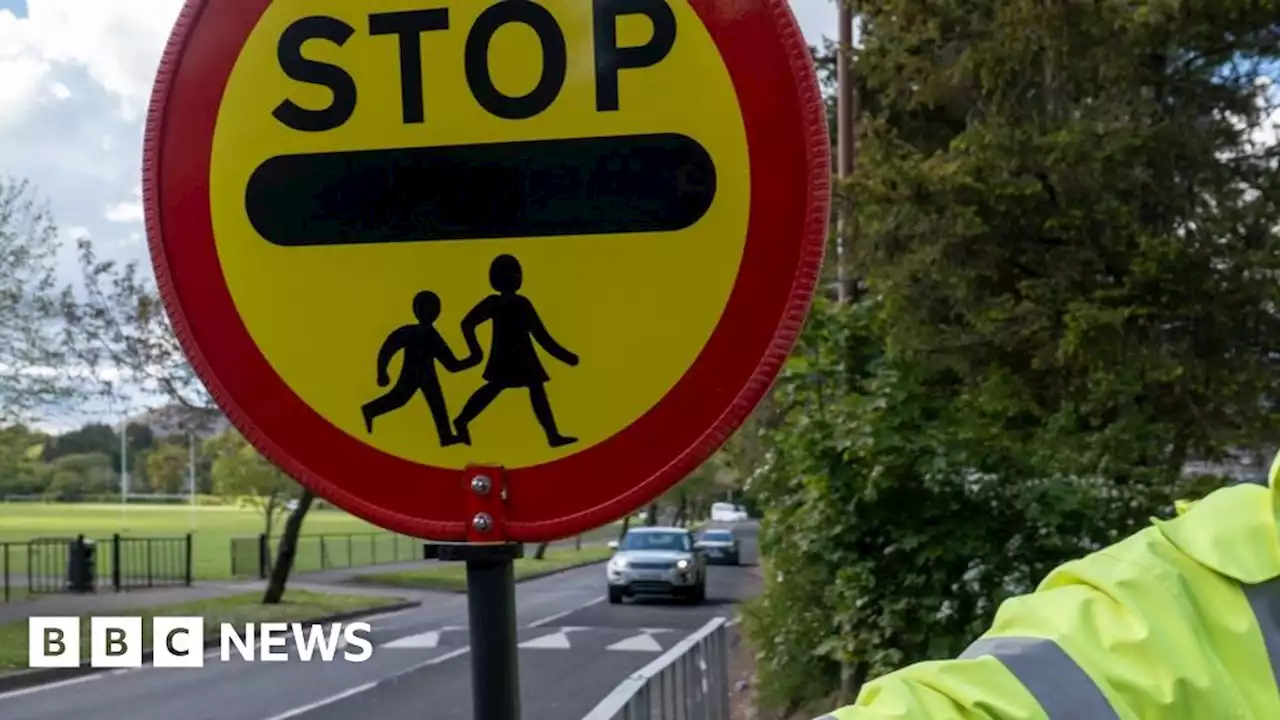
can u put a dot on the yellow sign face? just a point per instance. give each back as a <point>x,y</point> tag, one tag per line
<point>468,233</point>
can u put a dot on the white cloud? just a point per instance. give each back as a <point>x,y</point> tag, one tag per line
<point>118,42</point>
<point>20,80</point>
<point>125,212</point>
<point>75,76</point>
<point>130,211</point>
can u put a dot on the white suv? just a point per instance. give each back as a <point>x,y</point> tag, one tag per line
<point>657,561</point>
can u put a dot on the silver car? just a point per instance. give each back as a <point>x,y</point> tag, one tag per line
<point>657,561</point>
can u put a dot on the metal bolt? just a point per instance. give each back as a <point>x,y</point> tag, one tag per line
<point>482,522</point>
<point>481,485</point>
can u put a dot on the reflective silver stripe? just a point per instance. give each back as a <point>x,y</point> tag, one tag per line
<point>1264,598</point>
<point>1061,687</point>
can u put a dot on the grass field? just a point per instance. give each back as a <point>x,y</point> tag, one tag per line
<point>297,606</point>
<point>453,576</point>
<point>213,528</point>
<point>20,521</point>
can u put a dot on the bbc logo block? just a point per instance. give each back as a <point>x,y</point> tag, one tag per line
<point>53,642</point>
<point>179,642</point>
<point>115,642</point>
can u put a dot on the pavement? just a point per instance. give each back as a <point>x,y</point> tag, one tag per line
<point>106,602</point>
<point>574,649</point>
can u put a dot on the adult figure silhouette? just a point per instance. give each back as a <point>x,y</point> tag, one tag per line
<point>423,347</point>
<point>513,360</point>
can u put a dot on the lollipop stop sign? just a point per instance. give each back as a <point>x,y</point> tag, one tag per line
<point>487,273</point>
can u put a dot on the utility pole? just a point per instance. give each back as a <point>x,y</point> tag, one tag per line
<point>845,111</point>
<point>851,674</point>
<point>191,473</point>
<point>124,469</point>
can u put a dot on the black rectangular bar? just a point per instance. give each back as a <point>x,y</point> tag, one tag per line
<point>466,552</point>
<point>577,186</point>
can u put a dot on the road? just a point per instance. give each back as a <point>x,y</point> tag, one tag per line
<point>575,648</point>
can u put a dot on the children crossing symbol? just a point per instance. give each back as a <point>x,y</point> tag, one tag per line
<point>513,361</point>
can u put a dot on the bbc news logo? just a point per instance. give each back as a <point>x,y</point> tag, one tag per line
<point>178,642</point>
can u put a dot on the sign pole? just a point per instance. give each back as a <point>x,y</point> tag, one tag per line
<point>491,610</point>
<point>491,613</point>
<point>124,471</point>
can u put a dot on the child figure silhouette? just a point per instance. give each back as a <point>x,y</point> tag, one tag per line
<point>423,347</point>
<point>513,361</point>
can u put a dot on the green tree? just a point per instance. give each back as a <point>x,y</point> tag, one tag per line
<point>240,472</point>
<point>138,437</point>
<point>22,471</point>
<point>77,477</point>
<point>1068,244</point>
<point>691,498</point>
<point>167,469</point>
<point>139,477</point>
<point>1103,229</point>
<point>34,375</point>
<point>90,438</point>
<point>117,321</point>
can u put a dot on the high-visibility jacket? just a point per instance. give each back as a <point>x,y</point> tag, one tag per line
<point>1180,621</point>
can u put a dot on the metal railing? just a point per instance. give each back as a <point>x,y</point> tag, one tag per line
<point>45,561</point>
<point>43,566</point>
<point>689,682</point>
<point>134,563</point>
<point>252,556</point>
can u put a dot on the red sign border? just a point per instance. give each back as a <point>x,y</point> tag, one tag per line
<point>785,119</point>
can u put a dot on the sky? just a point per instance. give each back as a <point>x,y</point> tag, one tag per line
<point>75,78</point>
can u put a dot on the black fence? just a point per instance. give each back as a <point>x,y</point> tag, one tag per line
<point>48,565</point>
<point>252,556</point>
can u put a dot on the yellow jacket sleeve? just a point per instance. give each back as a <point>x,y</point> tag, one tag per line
<point>976,689</point>
<point>1156,626</point>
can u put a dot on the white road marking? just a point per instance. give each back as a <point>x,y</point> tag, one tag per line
<point>368,686</point>
<point>428,639</point>
<point>554,641</point>
<point>570,611</point>
<point>50,686</point>
<point>643,642</point>
<point>435,660</point>
<point>321,703</point>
